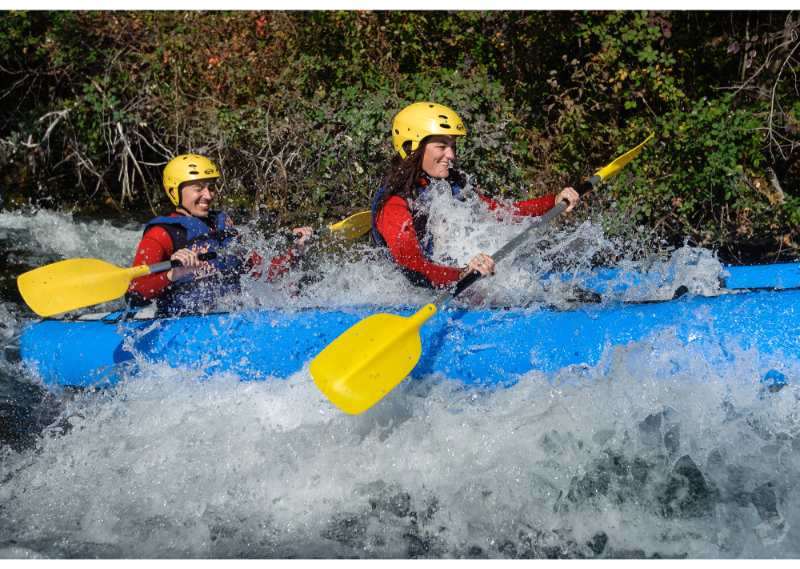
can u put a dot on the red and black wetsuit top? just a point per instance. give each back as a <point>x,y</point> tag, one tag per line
<point>396,227</point>
<point>162,237</point>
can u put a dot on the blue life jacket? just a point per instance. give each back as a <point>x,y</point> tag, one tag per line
<point>193,232</point>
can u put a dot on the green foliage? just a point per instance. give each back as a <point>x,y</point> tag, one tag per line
<point>632,59</point>
<point>704,160</point>
<point>296,108</point>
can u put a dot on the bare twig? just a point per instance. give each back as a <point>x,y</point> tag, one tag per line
<point>767,60</point>
<point>60,115</point>
<point>773,99</point>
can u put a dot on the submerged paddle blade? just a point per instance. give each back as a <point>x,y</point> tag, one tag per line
<point>620,162</point>
<point>353,227</point>
<point>369,359</point>
<point>74,283</point>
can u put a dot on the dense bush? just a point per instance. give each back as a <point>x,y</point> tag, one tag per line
<point>296,107</point>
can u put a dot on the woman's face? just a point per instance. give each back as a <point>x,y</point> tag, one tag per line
<point>196,197</point>
<point>440,153</point>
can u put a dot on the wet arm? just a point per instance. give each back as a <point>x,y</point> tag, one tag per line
<point>396,226</point>
<point>534,207</point>
<point>155,246</point>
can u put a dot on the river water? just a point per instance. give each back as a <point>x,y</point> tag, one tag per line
<point>652,453</point>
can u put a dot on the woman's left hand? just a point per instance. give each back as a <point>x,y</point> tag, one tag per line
<point>302,234</point>
<point>570,196</point>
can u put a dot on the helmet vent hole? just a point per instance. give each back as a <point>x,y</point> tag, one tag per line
<point>444,125</point>
<point>194,172</point>
<point>396,131</point>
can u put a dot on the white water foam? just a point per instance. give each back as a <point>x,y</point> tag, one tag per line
<point>167,466</point>
<point>461,229</point>
<point>361,275</point>
<point>600,461</point>
<point>53,234</point>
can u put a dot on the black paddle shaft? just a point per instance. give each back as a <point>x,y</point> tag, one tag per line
<point>210,256</point>
<point>503,252</point>
<point>174,263</point>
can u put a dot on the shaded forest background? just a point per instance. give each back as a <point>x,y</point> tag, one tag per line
<point>296,106</point>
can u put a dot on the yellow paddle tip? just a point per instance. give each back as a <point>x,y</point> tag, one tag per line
<point>353,227</point>
<point>74,283</point>
<point>368,360</point>
<point>611,169</point>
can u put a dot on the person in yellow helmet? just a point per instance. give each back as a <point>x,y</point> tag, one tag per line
<point>191,229</point>
<point>424,135</point>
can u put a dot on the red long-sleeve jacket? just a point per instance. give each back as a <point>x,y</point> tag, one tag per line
<point>156,246</point>
<point>395,223</point>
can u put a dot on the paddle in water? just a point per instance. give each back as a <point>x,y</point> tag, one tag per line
<point>369,359</point>
<point>77,283</point>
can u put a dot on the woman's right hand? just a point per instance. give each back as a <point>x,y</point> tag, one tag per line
<point>482,263</point>
<point>190,264</point>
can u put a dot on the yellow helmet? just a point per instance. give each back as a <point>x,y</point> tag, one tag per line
<point>185,168</point>
<point>419,120</point>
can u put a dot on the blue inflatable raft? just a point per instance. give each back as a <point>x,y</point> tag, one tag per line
<point>759,308</point>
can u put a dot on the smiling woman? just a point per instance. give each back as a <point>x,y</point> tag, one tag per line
<point>424,136</point>
<point>194,228</point>
<point>439,155</point>
<point>196,197</point>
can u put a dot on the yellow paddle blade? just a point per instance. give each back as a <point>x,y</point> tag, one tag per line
<point>353,227</point>
<point>75,283</point>
<point>619,163</point>
<point>369,359</point>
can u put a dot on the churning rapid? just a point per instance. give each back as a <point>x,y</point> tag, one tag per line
<point>651,453</point>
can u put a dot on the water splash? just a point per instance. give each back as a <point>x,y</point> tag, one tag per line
<point>652,452</point>
<point>43,236</point>
<point>639,456</point>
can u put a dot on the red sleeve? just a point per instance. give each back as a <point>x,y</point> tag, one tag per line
<point>396,226</point>
<point>534,207</point>
<point>278,265</point>
<point>155,246</point>
<point>281,264</point>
